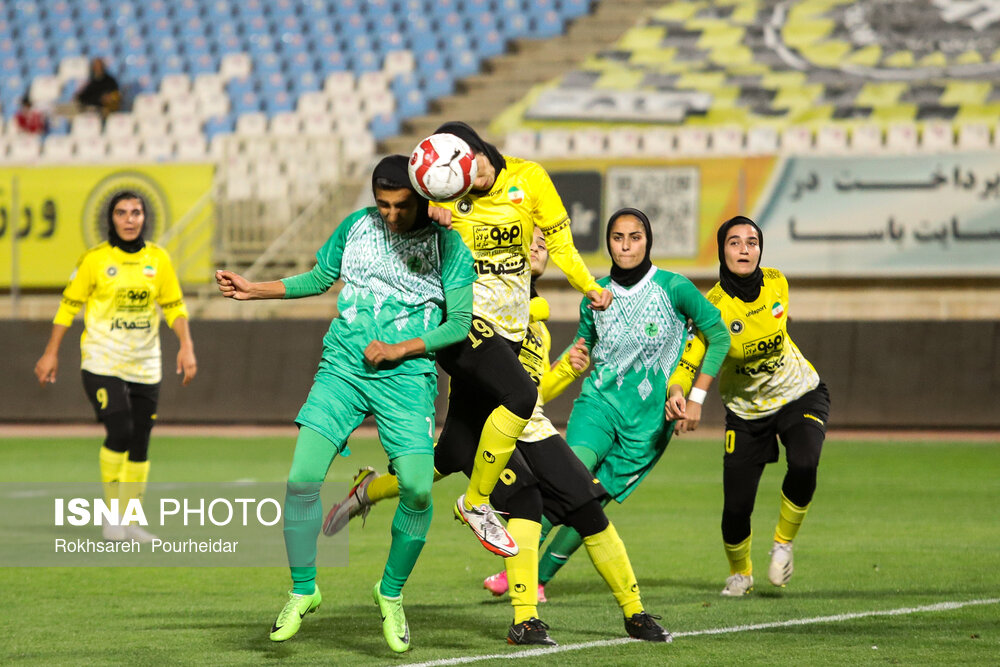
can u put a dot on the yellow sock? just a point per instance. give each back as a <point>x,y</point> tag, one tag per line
<point>789,520</point>
<point>496,444</point>
<point>522,569</point>
<point>387,486</point>
<point>739,557</point>
<point>111,472</point>
<point>607,553</point>
<point>133,484</point>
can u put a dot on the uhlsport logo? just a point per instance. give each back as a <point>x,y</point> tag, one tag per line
<point>95,210</point>
<point>488,457</point>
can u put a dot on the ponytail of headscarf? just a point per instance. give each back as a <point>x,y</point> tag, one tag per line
<point>629,277</point>
<point>744,288</point>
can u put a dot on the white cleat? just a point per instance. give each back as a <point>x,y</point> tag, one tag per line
<point>113,532</point>
<point>782,566</point>
<point>484,523</point>
<point>355,504</point>
<point>737,585</point>
<point>138,534</point>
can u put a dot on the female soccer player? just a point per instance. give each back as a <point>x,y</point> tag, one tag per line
<point>121,281</point>
<point>407,293</point>
<point>492,397</point>
<point>770,391</point>
<point>618,426</point>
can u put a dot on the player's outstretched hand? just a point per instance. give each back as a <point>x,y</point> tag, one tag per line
<point>186,364</point>
<point>232,285</point>
<point>693,419</point>
<point>441,216</point>
<point>378,352</point>
<point>579,357</point>
<point>45,369</point>
<point>599,300</point>
<point>675,408</point>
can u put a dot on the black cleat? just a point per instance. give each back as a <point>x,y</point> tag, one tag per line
<point>532,631</point>
<point>644,626</point>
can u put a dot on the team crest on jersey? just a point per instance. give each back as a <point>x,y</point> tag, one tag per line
<point>112,271</point>
<point>651,329</point>
<point>515,194</point>
<point>777,309</point>
<point>417,264</point>
<point>464,206</point>
<point>149,271</point>
<point>736,327</point>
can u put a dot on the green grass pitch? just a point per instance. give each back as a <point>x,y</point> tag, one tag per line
<point>894,526</point>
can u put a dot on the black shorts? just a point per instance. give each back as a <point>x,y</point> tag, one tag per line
<point>751,442</point>
<point>564,482</point>
<point>109,394</point>
<point>484,369</point>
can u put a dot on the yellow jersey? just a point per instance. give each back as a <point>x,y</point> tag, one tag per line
<point>121,335</point>
<point>498,226</point>
<point>764,369</point>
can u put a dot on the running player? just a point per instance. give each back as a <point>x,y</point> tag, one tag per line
<point>770,392</point>
<point>492,397</point>
<point>618,426</point>
<point>543,475</point>
<point>407,293</point>
<point>121,281</point>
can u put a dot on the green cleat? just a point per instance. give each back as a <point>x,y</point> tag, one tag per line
<point>394,627</point>
<point>290,618</point>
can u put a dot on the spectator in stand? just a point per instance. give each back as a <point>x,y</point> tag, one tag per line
<point>100,92</point>
<point>29,119</point>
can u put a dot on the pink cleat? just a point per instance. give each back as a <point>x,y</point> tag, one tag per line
<point>496,584</point>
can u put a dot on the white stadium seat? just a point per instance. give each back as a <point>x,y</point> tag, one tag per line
<point>313,102</point>
<point>86,125</point>
<point>73,68</point>
<point>317,124</point>
<point>191,148</point>
<point>147,104</point>
<point>624,142</point>
<point>251,124</point>
<point>119,124</point>
<point>124,149</point>
<point>398,62</point>
<point>24,148</point>
<point>58,148</point>
<point>152,126</point>
<point>174,85</point>
<point>901,137</point>
<point>523,143</point>
<point>660,141</point>
<point>867,138</point>
<point>589,142</point>
<point>213,107</point>
<point>727,140</point>
<point>554,143</point>
<point>797,139</point>
<point>762,140</point>
<point>345,104</point>
<point>235,66</point>
<point>91,149</point>
<point>372,82</point>
<point>157,148</point>
<point>285,124</point>
<point>185,126</point>
<point>185,104</point>
<point>338,83</point>
<point>692,141</point>
<point>45,90</point>
<point>831,139</point>
<point>378,102</point>
<point>937,136</point>
<point>974,137</point>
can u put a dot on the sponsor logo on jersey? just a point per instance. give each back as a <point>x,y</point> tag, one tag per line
<point>769,366</point>
<point>777,309</point>
<point>751,313</point>
<point>485,267</point>
<point>132,298</point>
<point>736,327</point>
<point>464,206</point>
<point>515,194</point>
<point>149,271</point>
<point>763,347</point>
<point>129,325</point>
<point>491,237</point>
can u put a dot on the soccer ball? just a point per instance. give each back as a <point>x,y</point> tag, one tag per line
<point>442,167</point>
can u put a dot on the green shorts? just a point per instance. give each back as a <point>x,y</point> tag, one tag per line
<point>403,407</point>
<point>625,453</point>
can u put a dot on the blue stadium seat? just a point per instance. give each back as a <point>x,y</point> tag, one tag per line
<point>572,9</point>
<point>228,44</point>
<point>346,7</point>
<point>411,104</point>
<point>306,81</point>
<point>548,24</point>
<point>172,64</point>
<point>438,84</point>
<point>245,102</point>
<point>154,9</point>
<point>89,10</point>
<point>215,126</point>
<point>365,61</point>
<point>184,10</point>
<point>278,102</point>
<point>332,61</point>
<point>203,63</point>
<point>219,12</point>
<point>282,8</point>
<point>249,8</point>
<point>271,83</point>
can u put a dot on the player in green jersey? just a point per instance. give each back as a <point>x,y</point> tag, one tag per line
<point>407,293</point>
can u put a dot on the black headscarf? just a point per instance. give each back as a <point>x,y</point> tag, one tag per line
<point>747,288</point>
<point>128,246</point>
<point>464,132</point>
<point>629,277</point>
<point>391,174</point>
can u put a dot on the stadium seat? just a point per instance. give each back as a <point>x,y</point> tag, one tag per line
<point>346,104</point>
<point>91,149</point>
<point>214,107</point>
<point>866,138</point>
<point>314,102</point>
<point>251,125</point>
<point>937,137</point>
<point>191,148</point>
<point>901,137</point>
<point>45,90</point>
<point>152,126</point>
<point>660,142</point>
<point>378,103</point>
<point>974,137</point>
<point>186,125</point>
<point>338,83</point>
<point>57,149</point>
<point>797,139</point>
<point>86,125</point>
<point>624,142</point>
<point>318,123</point>
<point>235,65</point>
<point>727,140</point>
<point>124,148</point>
<point>554,143</point>
<point>692,141</point>
<point>285,124</point>
<point>589,142</point>
<point>118,125</point>
<point>183,104</point>
<point>147,104</point>
<point>522,143</point>
<point>372,82</point>
<point>832,139</point>
<point>157,148</point>
<point>24,148</point>
<point>762,140</point>
<point>398,62</point>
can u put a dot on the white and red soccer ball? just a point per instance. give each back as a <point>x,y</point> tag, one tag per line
<point>442,167</point>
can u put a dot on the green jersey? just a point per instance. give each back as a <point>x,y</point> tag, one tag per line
<point>394,288</point>
<point>636,343</point>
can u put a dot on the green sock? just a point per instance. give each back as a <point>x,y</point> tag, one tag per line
<point>565,542</point>
<point>303,510</point>
<point>411,522</point>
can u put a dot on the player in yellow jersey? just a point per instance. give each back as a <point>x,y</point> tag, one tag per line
<point>771,392</point>
<point>121,281</point>
<point>492,396</point>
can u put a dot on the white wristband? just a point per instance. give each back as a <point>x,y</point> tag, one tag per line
<point>697,395</point>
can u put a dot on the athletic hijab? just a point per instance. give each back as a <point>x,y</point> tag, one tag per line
<point>476,143</point>
<point>746,289</point>
<point>391,174</point>
<point>128,246</point>
<point>629,277</point>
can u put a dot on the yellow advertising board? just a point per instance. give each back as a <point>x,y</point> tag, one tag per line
<point>61,211</point>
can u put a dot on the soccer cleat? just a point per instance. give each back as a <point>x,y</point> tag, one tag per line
<point>496,583</point>
<point>781,567</point>
<point>532,631</point>
<point>139,534</point>
<point>737,585</point>
<point>394,627</point>
<point>644,626</point>
<point>541,594</point>
<point>354,504</point>
<point>113,532</point>
<point>484,523</point>
<point>290,618</point>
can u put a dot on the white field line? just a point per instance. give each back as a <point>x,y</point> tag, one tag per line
<point>532,653</point>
